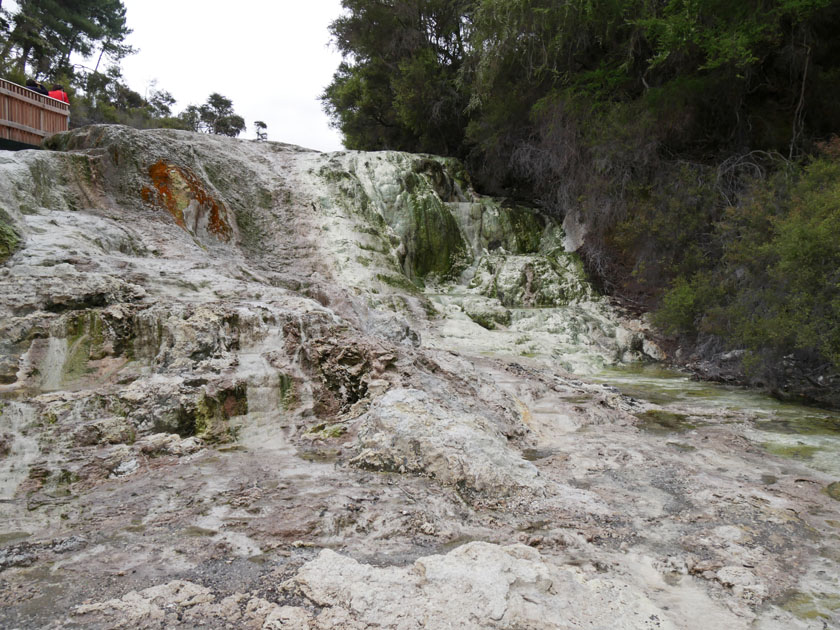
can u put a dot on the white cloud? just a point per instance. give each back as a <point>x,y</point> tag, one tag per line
<point>271,59</point>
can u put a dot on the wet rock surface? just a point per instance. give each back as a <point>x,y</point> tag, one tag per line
<point>248,385</point>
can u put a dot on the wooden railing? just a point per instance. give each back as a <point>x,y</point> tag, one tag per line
<point>28,117</point>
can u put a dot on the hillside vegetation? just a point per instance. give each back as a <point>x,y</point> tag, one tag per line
<point>45,40</point>
<point>691,139</point>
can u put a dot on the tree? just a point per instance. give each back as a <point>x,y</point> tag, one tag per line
<point>491,77</point>
<point>160,103</point>
<point>215,116</point>
<point>105,98</point>
<point>397,87</point>
<point>4,22</point>
<point>191,118</point>
<point>112,44</point>
<point>40,37</point>
<point>43,34</point>
<point>260,128</point>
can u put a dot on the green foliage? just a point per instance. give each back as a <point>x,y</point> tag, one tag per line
<point>431,115</point>
<point>215,116</point>
<point>802,295</point>
<point>479,72</point>
<point>666,229</point>
<point>716,33</point>
<point>42,35</point>
<point>679,309</point>
<point>160,103</point>
<point>398,86</point>
<point>98,97</point>
<point>776,286</point>
<point>9,240</point>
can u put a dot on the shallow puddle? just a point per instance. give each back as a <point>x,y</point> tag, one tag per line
<point>803,425</point>
<point>659,421</point>
<point>322,456</point>
<point>535,454</point>
<point>806,434</point>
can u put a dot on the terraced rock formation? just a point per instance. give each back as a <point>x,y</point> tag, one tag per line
<point>249,385</point>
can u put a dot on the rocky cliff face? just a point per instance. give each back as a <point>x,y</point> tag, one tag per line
<point>249,385</point>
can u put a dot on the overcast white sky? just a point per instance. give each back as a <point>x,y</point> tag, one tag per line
<point>271,58</point>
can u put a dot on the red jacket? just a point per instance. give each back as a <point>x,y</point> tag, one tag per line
<point>59,95</point>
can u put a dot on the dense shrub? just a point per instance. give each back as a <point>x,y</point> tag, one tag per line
<point>775,289</point>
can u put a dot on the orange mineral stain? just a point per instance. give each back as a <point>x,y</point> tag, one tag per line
<point>175,188</point>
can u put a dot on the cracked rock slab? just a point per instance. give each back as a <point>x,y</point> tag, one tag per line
<point>408,431</point>
<point>478,585</point>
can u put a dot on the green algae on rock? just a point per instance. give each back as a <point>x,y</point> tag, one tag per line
<point>792,451</point>
<point>9,240</point>
<point>213,413</point>
<point>661,421</point>
<point>833,490</point>
<point>208,416</point>
<point>433,242</point>
<point>816,606</point>
<point>286,388</point>
<point>323,430</point>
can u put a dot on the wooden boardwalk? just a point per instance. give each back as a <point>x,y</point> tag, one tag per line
<point>27,117</point>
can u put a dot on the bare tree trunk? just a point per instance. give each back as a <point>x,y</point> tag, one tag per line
<point>799,114</point>
<point>24,56</point>
<point>98,61</point>
<point>65,60</point>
